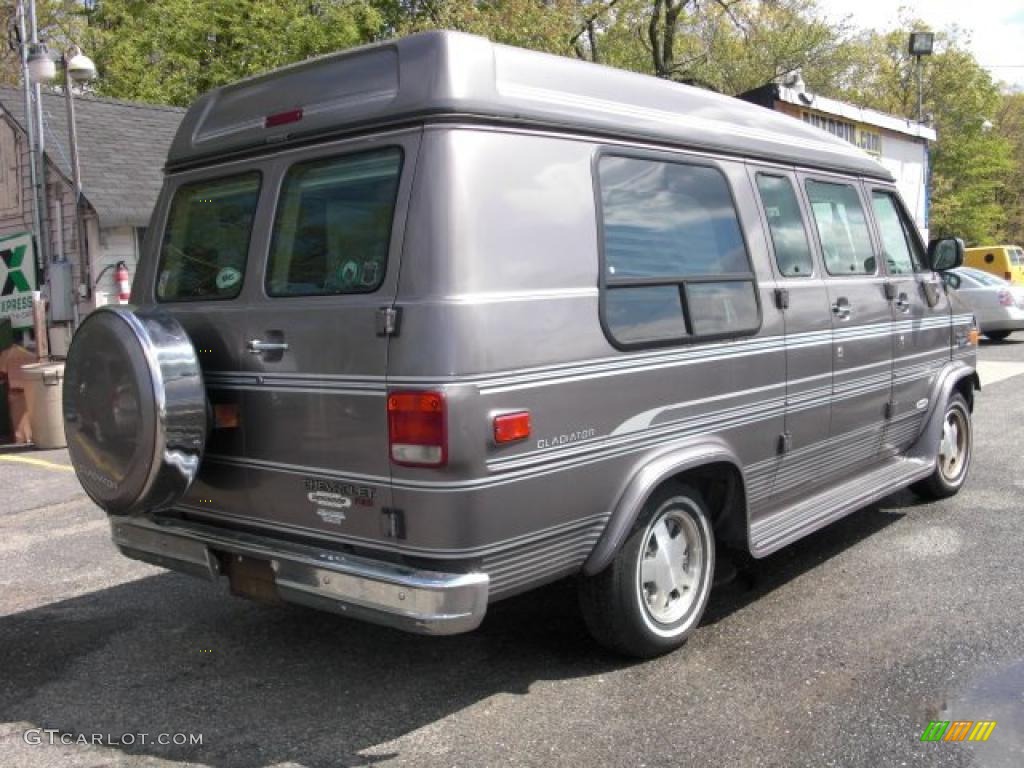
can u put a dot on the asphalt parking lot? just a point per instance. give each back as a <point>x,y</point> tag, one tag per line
<point>835,651</point>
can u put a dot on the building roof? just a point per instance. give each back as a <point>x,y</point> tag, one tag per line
<point>455,76</point>
<point>810,101</point>
<point>122,148</point>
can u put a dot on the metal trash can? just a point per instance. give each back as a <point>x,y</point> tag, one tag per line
<point>44,394</point>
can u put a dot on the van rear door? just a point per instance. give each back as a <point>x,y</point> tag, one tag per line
<point>201,274</point>
<point>316,437</point>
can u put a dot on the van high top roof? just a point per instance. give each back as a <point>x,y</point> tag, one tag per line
<point>460,77</point>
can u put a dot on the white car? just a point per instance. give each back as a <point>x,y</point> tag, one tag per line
<point>997,304</point>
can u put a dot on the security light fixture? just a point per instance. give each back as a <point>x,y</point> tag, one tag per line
<point>79,66</point>
<point>922,43</point>
<point>42,67</point>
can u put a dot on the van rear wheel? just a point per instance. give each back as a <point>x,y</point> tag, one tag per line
<point>652,596</point>
<point>954,453</point>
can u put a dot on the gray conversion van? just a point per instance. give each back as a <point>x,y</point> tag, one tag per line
<point>426,324</point>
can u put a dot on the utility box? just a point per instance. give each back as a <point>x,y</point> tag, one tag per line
<point>61,292</point>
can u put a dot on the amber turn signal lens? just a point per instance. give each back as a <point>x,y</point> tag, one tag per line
<point>510,427</point>
<point>225,416</point>
<point>973,335</point>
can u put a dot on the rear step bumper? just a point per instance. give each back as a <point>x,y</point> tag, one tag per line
<point>415,600</point>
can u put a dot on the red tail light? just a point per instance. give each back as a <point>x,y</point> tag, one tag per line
<point>417,429</point>
<point>1005,298</point>
<point>1008,275</point>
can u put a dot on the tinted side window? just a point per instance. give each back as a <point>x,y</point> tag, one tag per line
<point>792,252</point>
<point>842,228</point>
<point>898,244</point>
<point>333,225</point>
<point>674,260</point>
<point>206,242</point>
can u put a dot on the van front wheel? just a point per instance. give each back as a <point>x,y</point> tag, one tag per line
<point>652,596</point>
<point>953,458</point>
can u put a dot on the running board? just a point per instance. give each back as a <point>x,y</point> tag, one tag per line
<point>788,525</point>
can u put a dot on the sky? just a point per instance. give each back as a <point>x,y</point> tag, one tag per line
<point>996,27</point>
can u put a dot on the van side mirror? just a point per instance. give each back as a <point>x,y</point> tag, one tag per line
<point>945,253</point>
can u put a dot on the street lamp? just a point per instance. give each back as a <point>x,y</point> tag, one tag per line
<point>921,44</point>
<point>41,66</point>
<point>78,68</point>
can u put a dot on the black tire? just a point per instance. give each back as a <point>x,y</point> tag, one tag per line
<point>950,471</point>
<point>616,603</point>
<point>997,336</point>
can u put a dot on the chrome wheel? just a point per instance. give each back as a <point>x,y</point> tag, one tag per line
<point>955,446</point>
<point>671,566</point>
<point>652,595</point>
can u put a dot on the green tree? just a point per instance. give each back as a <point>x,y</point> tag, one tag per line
<point>170,51</point>
<point>733,48</point>
<point>542,25</point>
<point>1009,123</point>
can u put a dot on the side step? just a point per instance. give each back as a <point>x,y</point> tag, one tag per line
<point>788,525</point>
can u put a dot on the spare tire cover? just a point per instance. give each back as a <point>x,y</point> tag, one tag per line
<point>135,410</point>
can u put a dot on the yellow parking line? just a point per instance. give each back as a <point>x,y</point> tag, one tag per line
<point>38,463</point>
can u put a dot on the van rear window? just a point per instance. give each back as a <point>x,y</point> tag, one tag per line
<point>333,225</point>
<point>675,263</point>
<point>206,242</point>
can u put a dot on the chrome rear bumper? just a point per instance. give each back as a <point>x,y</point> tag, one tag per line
<point>415,600</point>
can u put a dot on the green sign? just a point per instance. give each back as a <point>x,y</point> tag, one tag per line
<point>17,278</point>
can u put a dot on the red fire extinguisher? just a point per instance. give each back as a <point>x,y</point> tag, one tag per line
<point>124,282</point>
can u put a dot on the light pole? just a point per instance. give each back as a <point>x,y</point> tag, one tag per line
<point>78,68</point>
<point>921,44</point>
<point>33,165</point>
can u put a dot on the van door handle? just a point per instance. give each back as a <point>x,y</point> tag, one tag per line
<point>841,308</point>
<point>258,347</point>
<point>903,302</point>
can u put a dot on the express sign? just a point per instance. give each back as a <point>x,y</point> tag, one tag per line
<point>17,279</point>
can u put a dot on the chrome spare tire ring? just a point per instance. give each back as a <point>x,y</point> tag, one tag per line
<point>135,409</point>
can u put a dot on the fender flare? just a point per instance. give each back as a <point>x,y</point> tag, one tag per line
<point>645,480</point>
<point>953,373</point>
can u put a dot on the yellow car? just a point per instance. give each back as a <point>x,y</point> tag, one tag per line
<point>1005,261</point>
